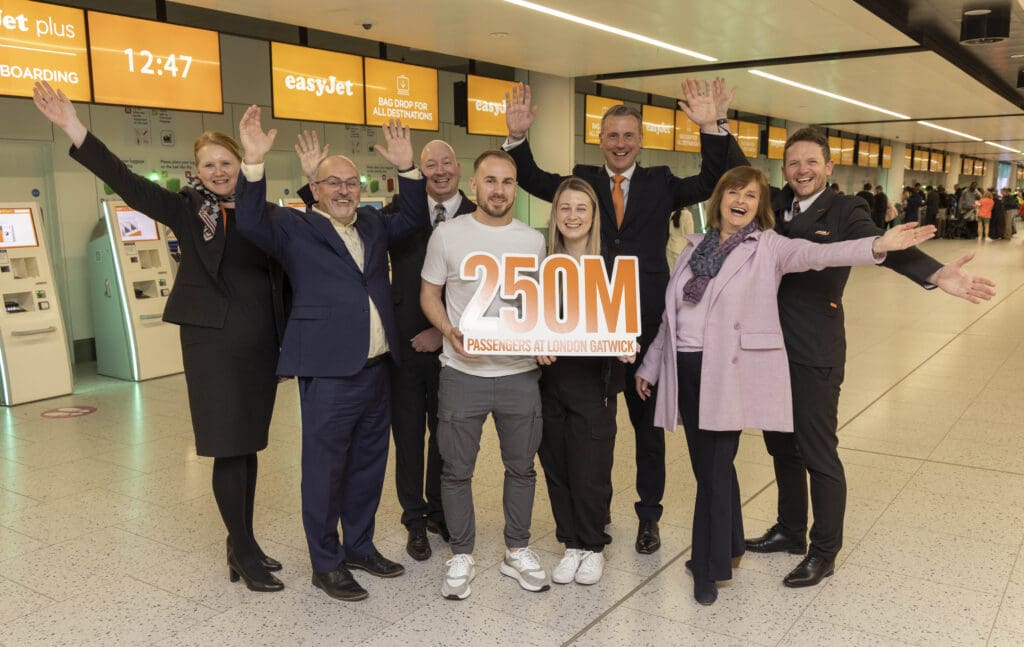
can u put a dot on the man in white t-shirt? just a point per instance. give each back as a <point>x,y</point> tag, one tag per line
<point>471,387</point>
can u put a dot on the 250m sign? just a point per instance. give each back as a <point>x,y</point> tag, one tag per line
<point>565,306</point>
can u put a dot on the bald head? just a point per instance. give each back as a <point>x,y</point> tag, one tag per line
<point>337,188</point>
<point>441,169</point>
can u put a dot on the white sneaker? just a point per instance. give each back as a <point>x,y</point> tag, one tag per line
<point>591,568</point>
<point>461,571</point>
<point>565,572</point>
<point>521,564</point>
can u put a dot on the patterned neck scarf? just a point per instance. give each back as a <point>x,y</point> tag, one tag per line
<point>209,211</point>
<point>708,258</point>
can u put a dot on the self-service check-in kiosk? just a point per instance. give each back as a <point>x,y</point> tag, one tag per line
<point>130,278</point>
<point>34,358</point>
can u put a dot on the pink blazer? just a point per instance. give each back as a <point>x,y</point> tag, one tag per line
<point>744,381</point>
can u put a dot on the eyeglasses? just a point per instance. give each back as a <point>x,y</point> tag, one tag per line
<point>332,182</point>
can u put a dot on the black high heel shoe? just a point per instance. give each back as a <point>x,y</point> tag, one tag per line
<point>268,563</point>
<point>260,582</point>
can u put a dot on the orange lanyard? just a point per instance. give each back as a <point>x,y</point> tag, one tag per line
<point>224,214</point>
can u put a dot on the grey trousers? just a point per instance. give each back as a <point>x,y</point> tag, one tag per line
<point>463,404</point>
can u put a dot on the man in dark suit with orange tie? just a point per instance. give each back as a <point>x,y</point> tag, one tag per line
<point>636,203</point>
<point>338,341</point>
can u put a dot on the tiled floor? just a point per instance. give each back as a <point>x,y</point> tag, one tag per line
<point>109,534</point>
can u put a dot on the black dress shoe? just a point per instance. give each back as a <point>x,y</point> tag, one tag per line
<point>811,570</point>
<point>418,545</point>
<point>648,537</point>
<point>340,585</point>
<point>268,563</point>
<point>439,528</point>
<point>375,564</point>
<point>776,540</point>
<point>256,577</point>
<point>705,591</point>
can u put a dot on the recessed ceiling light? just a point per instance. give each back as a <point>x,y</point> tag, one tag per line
<point>828,94</point>
<point>977,12</point>
<point>950,131</point>
<point>499,34</point>
<point>611,30</point>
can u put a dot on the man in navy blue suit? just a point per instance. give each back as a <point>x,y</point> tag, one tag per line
<point>338,340</point>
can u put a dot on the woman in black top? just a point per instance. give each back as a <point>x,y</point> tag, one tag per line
<point>227,300</point>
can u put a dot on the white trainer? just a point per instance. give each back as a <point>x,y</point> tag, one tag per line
<point>521,564</point>
<point>461,571</point>
<point>565,572</point>
<point>591,568</point>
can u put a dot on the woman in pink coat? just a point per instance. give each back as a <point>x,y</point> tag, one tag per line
<point>719,358</point>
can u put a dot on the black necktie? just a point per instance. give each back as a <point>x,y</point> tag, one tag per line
<point>439,214</point>
<point>796,209</point>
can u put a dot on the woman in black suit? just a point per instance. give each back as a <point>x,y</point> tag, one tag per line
<point>227,300</point>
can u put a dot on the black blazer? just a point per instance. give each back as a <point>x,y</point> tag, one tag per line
<point>811,303</point>
<point>198,297</point>
<point>654,193</point>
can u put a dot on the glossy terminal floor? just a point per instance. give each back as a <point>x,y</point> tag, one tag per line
<point>109,534</point>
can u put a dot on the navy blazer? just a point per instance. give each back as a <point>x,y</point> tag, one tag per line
<point>654,193</point>
<point>811,303</point>
<point>328,331</point>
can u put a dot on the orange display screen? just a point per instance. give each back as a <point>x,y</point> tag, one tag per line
<point>776,142</point>
<point>400,91</point>
<point>42,42</point>
<point>749,137</point>
<point>886,156</point>
<point>658,128</point>
<point>17,228</point>
<point>595,107</point>
<point>485,105</point>
<point>687,134</point>
<point>316,85</point>
<point>835,147</point>
<point>155,65</point>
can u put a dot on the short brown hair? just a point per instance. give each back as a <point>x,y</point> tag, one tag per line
<point>737,178</point>
<point>622,110</point>
<point>218,139</point>
<point>500,154</point>
<point>556,244</point>
<point>809,134</point>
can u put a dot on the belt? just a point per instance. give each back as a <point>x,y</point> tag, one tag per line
<point>373,361</point>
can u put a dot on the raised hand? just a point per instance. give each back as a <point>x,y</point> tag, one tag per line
<point>310,154</point>
<point>519,114</point>
<point>953,279</point>
<point>700,104</point>
<point>398,152</point>
<point>902,237</point>
<point>722,96</point>
<point>255,142</point>
<point>56,107</point>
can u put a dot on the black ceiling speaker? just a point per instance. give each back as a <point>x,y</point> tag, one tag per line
<point>989,25</point>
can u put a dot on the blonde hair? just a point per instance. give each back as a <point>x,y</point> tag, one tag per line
<point>737,178</point>
<point>218,139</point>
<point>556,242</point>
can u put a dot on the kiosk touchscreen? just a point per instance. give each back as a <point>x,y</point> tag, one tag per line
<point>131,276</point>
<point>34,358</point>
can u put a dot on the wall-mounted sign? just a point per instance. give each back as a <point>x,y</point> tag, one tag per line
<point>658,128</point>
<point>316,85</point>
<point>400,91</point>
<point>748,135</point>
<point>776,142</point>
<point>153,64</point>
<point>485,109</point>
<point>687,134</point>
<point>594,108</point>
<point>43,42</point>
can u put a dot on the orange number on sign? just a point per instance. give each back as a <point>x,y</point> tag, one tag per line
<point>472,268</point>
<point>515,285</point>
<point>560,276</point>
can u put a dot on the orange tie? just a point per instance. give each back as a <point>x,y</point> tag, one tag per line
<point>618,200</point>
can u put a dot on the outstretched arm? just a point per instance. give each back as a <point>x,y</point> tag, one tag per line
<point>255,142</point>
<point>398,151</point>
<point>310,154</point>
<point>953,279</point>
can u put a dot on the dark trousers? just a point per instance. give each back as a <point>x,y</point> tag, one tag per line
<point>577,449</point>
<point>717,515</point>
<point>413,421</point>
<point>812,447</point>
<point>345,424</point>
<point>650,441</point>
